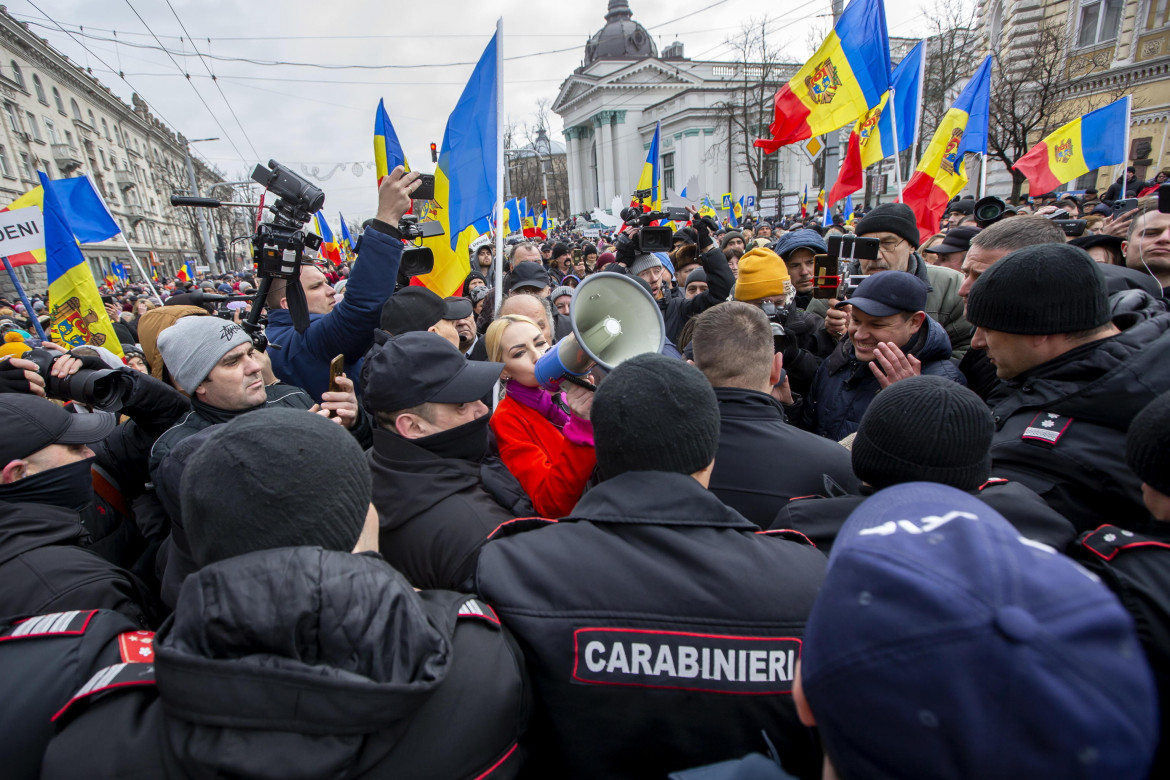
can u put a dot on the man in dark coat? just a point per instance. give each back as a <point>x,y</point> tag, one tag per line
<point>890,338</point>
<point>926,429</point>
<point>295,651</point>
<point>439,487</point>
<point>762,461</point>
<point>659,625</point>
<point>1075,381</point>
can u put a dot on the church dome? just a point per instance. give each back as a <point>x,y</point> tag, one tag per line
<point>621,38</point>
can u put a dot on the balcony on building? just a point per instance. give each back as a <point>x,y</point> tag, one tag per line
<point>125,179</point>
<point>67,157</point>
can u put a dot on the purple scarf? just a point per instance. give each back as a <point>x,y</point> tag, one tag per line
<point>575,429</point>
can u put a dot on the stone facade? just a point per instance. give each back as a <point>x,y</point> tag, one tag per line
<point>59,119</point>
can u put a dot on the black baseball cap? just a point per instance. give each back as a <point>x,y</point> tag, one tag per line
<point>526,275</point>
<point>958,239</point>
<point>30,424</point>
<point>417,308</point>
<point>421,367</point>
<point>887,293</point>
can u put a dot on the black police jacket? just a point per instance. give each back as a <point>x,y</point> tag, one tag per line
<point>1136,566</point>
<point>436,513</point>
<point>820,518</point>
<point>303,663</point>
<point>660,627</point>
<point>44,660</point>
<point>1060,428</point>
<point>762,461</point>
<point>46,566</point>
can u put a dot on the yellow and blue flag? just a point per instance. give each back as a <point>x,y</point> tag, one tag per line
<point>733,211</point>
<point>346,238</point>
<point>75,305</point>
<point>651,178</point>
<point>1085,144</point>
<point>388,153</point>
<point>940,174</point>
<point>84,210</point>
<point>465,179</point>
<point>845,78</point>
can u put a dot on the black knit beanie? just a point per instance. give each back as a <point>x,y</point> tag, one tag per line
<point>275,478</point>
<point>1040,290</point>
<point>927,429</point>
<point>1147,445</point>
<point>636,412</point>
<point>896,218</point>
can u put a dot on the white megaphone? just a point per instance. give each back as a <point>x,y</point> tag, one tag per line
<point>614,318</point>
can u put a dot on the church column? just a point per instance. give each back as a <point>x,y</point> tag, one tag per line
<point>585,169</point>
<point>625,180</point>
<point>604,130</point>
<point>572,151</point>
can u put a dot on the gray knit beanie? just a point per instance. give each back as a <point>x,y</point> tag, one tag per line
<point>925,429</point>
<point>635,414</point>
<point>238,498</point>
<point>644,262</point>
<point>193,345</point>
<point>1040,290</point>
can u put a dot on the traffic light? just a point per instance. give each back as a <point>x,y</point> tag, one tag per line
<point>544,205</point>
<point>434,153</point>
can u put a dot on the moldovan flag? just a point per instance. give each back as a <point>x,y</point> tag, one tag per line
<point>804,203</point>
<point>821,200</point>
<point>845,78</point>
<point>84,210</point>
<point>346,238</point>
<point>388,153</point>
<point>872,138</point>
<point>75,305</point>
<point>1084,144</point>
<point>512,216</point>
<point>185,273</point>
<point>651,178</point>
<point>733,213</point>
<point>465,179</point>
<point>329,249</point>
<point>940,174</point>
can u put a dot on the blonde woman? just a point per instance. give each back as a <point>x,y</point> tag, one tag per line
<point>545,439</point>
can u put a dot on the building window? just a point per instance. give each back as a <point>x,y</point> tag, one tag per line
<point>52,128</point>
<point>34,126</point>
<point>5,168</point>
<point>1099,21</point>
<point>114,162</point>
<point>69,138</point>
<point>76,109</point>
<point>26,167</point>
<point>40,89</point>
<point>47,169</point>
<point>102,155</point>
<point>92,121</point>
<point>1159,14</point>
<point>105,129</point>
<point>13,117</point>
<point>17,76</point>
<point>57,99</point>
<point>668,171</point>
<point>772,172</point>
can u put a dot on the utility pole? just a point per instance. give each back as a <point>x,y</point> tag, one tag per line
<point>204,234</point>
<point>832,142</point>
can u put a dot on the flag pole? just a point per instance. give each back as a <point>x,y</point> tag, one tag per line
<point>138,265</point>
<point>983,174</point>
<point>499,265</point>
<point>32,315</point>
<point>918,113</point>
<point>894,129</point>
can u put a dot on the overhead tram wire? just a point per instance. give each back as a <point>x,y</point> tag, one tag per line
<point>214,80</point>
<point>197,92</point>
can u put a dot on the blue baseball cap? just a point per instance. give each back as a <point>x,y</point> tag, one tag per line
<point>888,292</point>
<point>944,644</point>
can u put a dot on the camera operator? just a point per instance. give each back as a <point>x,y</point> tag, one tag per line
<point>347,327</point>
<point>216,364</point>
<point>677,310</point>
<point>102,492</point>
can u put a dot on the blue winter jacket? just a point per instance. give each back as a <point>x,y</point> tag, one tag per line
<point>303,358</point>
<point>844,386</point>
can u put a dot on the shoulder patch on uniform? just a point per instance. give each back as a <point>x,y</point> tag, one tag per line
<point>519,525</point>
<point>993,481</point>
<point>57,624</point>
<point>474,608</point>
<point>136,647</point>
<point>679,660</point>
<point>116,676</point>
<point>1046,428</point>
<point>790,534</point>
<point>803,498</point>
<point>1108,541</point>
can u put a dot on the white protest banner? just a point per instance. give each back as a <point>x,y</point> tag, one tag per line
<point>21,230</point>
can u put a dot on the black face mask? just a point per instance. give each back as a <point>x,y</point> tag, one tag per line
<point>466,442</point>
<point>70,487</point>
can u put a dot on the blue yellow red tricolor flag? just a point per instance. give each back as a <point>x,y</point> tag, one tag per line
<point>1084,144</point>
<point>465,178</point>
<point>845,78</point>
<point>940,174</point>
<point>75,305</point>
<point>329,248</point>
<point>651,177</point>
<point>872,138</point>
<point>821,200</point>
<point>733,212</point>
<point>804,204</point>
<point>84,210</point>
<point>388,153</point>
<point>185,273</point>
<point>346,238</point>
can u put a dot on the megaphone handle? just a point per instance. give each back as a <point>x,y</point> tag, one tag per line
<point>579,382</point>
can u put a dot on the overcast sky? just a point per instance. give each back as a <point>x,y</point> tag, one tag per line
<point>319,117</point>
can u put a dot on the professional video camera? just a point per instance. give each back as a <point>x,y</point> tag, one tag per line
<point>416,260</point>
<point>102,388</point>
<point>652,239</point>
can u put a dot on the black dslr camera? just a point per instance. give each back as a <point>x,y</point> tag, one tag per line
<point>416,260</point>
<point>102,388</point>
<point>652,239</point>
<point>990,209</point>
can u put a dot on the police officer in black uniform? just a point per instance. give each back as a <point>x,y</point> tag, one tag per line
<point>661,628</point>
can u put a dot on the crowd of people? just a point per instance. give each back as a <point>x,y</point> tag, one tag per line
<point>913,521</point>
